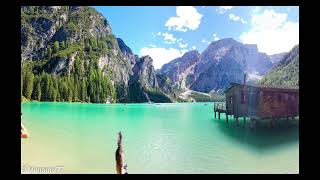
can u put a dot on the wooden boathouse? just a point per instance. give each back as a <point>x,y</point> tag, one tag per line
<point>258,103</point>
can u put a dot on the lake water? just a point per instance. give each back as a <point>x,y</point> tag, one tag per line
<point>157,138</point>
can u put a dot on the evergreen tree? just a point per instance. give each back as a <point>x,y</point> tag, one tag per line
<point>62,45</point>
<point>28,82</point>
<point>56,46</point>
<point>22,76</point>
<point>49,53</point>
<point>36,95</point>
<point>83,91</point>
<point>67,43</point>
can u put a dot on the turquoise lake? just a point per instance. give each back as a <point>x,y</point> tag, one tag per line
<point>157,138</point>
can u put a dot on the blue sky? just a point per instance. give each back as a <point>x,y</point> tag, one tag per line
<point>167,32</point>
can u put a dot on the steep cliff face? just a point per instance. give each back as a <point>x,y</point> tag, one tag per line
<point>144,73</point>
<point>224,61</point>
<point>127,52</point>
<point>220,72</point>
<point>275,58</point>
<point>55,37</point>
<point>180,71</point>
<point>143,82</point>
<point>42,25</point>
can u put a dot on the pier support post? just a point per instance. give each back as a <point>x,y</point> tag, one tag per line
<point>215,116</point>
<point>244,120</point>
<point>237,121</point>
<point>219,115</point>
<point>226,117</point>
<point>227,120</point>
<point>273,122</point>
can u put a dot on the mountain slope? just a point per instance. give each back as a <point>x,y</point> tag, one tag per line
<point>180,71</point>
<point>75,45</point>
<point>286,72</point>
<point>222,62</point>
<point>275,58</point>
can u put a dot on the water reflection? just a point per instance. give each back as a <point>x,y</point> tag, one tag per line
<point>262,137</point>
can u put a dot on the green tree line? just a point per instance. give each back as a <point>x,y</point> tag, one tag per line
<point>95,87</point>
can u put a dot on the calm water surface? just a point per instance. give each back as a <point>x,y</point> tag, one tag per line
<point>157,138</point>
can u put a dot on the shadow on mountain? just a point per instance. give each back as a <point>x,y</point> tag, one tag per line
<point>263,137</point>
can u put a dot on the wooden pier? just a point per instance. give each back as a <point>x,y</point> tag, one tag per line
<point>220,108</point>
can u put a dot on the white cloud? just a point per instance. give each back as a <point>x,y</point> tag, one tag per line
<point>161,56</point>
<point>205,41</point>
<point>223,9</point>
<point>181,45</point>
<point>194,47</point>
<point>272,32</point>
<point>169,39</point>
<point>215,37</point>
<point>236,18</point>
<point>187,18</point>
<point>152,45</point>
<point>256,9</point>
<point>243,21</point>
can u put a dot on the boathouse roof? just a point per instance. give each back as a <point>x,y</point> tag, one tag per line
<point>264,88</point>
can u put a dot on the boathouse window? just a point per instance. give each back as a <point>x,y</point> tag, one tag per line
<point>286,97</point>
<point>242,97</point>
<point>257,99</point>
<point>279,97</point>
<point>260,98</point>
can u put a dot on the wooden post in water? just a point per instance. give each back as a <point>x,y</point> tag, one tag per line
<point>272,122</point>
<point>226,117</point>
<point>215,116</point>
<point>227,120</point>
<point>237,121</point>
<point>244,120</point>
<point>219,115</point>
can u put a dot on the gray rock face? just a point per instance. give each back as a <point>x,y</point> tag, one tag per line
<point>180,69</point>
<point>275,58</point>
<point>144,73</point>
<point>224,61</point>
<point>127,52</point>
<point>58,24</point>
<point>143,76</point>
<point>35,36</point>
